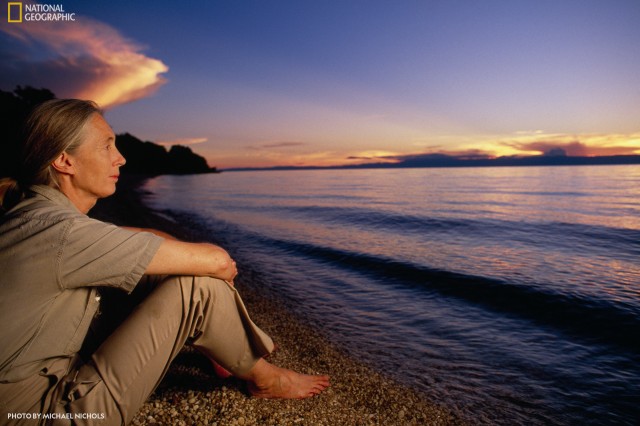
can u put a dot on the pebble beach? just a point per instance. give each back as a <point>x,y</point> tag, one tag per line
<point>191,393</point>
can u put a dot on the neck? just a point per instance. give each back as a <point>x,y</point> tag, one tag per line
<point>79,199</point>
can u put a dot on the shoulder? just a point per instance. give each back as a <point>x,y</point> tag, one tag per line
<point>44,203</point>
<point>36,213</point>
<point>47,216</point>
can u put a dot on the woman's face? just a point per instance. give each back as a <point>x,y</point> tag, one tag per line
<point>97,160</point>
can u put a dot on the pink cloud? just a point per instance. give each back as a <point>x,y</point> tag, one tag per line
<point>182,141</point>
<point>85,59</point>
<point>276,145</point>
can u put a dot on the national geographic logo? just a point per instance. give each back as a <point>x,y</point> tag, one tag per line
<point>18,12</point>
<point>14,14</point>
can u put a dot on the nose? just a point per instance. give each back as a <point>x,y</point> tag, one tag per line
<point>120,160</point>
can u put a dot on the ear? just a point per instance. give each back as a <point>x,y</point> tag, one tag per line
<point>64,164</point>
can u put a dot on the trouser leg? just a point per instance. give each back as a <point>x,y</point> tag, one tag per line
<point>22,399</point>
<point>128,366</point>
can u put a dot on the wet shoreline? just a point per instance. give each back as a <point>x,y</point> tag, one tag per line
<point>191,394</point>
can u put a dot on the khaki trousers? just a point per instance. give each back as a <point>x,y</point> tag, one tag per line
<point>126,368</point>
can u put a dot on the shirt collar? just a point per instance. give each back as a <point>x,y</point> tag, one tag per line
<point>52,194</point>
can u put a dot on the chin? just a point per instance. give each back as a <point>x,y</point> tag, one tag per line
<point>108,192</point>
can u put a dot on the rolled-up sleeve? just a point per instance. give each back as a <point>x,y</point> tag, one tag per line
<point>94,253</point>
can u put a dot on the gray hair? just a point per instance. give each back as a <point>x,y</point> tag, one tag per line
<point>52,128</point>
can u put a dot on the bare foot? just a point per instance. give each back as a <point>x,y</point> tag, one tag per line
<point>269,381</point>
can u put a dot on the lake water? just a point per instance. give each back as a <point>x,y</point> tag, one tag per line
<point>510,295</point>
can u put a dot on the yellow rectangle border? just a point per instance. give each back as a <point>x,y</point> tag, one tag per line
<point>19,4</point>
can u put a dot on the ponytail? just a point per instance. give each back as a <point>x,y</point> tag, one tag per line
<point>11,193</point>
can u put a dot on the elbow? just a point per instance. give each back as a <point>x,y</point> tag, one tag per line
<point>224,266</point>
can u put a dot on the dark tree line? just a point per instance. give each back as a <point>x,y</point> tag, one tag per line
<point>145,158</point>
<point>153,159</point>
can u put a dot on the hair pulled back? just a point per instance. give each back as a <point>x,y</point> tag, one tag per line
<point>52,128</point>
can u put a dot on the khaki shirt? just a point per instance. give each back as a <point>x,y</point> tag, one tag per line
<point>52,259</point>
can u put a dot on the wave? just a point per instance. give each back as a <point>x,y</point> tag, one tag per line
<point>616,323</point>
<point>627,240</point>
<point>613,323</point>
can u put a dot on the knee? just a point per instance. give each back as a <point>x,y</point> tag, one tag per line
<point>201,287</point>
<point>213,286</point>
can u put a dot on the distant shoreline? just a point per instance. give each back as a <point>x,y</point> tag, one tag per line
<point>444,161</point>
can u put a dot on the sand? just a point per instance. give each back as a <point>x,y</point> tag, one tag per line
<point>191,394</point>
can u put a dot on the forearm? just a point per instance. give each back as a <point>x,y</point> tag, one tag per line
<point>180,258</point>
<point>202,259</point>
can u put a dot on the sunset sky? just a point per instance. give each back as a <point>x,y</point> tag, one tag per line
<point>263,83</point>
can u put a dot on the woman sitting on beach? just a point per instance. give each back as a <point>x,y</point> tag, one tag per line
<point>54,260</point>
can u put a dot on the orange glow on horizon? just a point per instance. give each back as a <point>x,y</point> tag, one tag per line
<point>532,144</point>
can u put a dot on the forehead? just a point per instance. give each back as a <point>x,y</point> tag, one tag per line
<point>97,128</point>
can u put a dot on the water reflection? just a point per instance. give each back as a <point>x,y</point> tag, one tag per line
<point>476,284</point>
